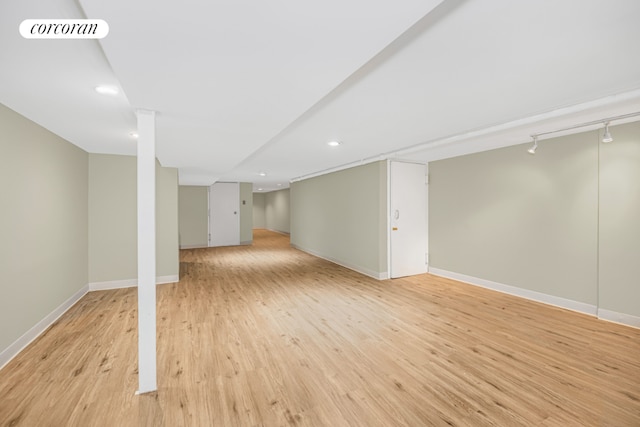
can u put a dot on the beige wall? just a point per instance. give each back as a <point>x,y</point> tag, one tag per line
<point>272,210</point>
<point>277,210</point>
<point>193,216</point>
<point>113,219</point>
<point>341,216</point>
<point>259,220</point>
<point>43,224</point>
<point>563,222</point>
<point>113,235</point>
<point>167,233</point>
<point>619,227</point>
<point>246,213</point>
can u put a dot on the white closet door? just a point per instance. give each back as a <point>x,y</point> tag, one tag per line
<point>224,214</point>
<point>408,219</point>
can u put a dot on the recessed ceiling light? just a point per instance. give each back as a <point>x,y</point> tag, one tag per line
<point>107,90</point>
<point>279,185</point>
<point>133,135</point>
<point>259,189</point>
<point>333,143</point>
<point>262,174</point>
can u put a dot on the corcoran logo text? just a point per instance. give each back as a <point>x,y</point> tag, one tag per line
<point>64,28</point>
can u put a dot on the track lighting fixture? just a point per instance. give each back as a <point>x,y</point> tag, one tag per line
<point>606,137</point>
<point>534,147</point>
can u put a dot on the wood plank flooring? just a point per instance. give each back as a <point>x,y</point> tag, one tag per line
<point>266,335</point>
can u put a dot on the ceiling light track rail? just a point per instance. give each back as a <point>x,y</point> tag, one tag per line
<point>606,136</point>
<point>591,123</point>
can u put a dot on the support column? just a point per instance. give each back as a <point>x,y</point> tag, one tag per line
<point>146,252</point>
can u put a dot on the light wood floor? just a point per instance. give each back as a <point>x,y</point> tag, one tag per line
<point>267,335</point>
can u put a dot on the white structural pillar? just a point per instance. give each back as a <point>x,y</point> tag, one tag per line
<point>146,252</point>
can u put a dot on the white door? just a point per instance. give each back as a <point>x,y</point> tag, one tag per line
<point>224,214</point>
<point>408,219</point>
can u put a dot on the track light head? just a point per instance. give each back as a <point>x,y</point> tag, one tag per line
<point>606,137</point>
<point>534,147</point>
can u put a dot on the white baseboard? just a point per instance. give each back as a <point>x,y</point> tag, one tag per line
<point>374,274</point>
<point>622,318</point>
<point>129,283</point>
<point>193,246</point>
<point>279,232</point>
<point>12,351</point>
<point>611,316</point>
<point>519,292</point>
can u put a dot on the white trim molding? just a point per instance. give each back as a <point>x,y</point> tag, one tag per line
<point>193,246</point>
<point>622,318</point>
<point>600,313</point>
<point>27,338</point>
<point>129,283</point>
<point>373,274</point>
<point>284,233</point>
<point>519,292</point>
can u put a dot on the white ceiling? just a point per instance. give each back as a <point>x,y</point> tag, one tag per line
<point>242,87</point>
